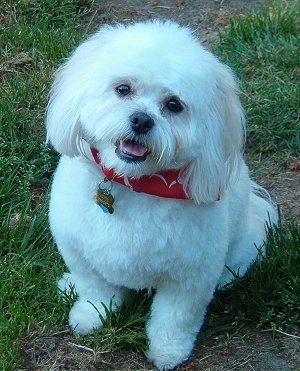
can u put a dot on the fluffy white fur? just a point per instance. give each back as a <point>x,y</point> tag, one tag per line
<point>178,247</point>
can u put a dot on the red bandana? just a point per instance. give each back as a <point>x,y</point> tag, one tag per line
<point>161,184</point>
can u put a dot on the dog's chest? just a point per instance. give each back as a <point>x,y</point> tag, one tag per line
<point>145,239</point>
<point>141,242</point>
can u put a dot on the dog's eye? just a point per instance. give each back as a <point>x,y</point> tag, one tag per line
<point>123,90</point>
<point>173,105</point>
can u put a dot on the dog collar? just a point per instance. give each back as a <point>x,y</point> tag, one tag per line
<point>162,184</point>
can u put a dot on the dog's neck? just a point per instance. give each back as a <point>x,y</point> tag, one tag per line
<point>162,184</point>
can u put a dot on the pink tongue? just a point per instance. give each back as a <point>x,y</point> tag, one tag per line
<point>132,148</point>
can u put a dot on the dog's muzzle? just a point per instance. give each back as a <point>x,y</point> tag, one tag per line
<point>132,150</point>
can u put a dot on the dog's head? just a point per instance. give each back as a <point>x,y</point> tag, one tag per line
<point>149,97</point>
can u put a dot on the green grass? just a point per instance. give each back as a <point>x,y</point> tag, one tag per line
<point>29,264</point>
<point>260,47</point>
<point>263,48</point>
<point>124,328</point>
<point>268,295</point>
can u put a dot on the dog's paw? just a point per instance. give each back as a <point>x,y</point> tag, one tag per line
<point>166,355</point>
<point>84,317</point>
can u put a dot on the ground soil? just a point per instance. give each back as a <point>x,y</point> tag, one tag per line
<point>253,350</point>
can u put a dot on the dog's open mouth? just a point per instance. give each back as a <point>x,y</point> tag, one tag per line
<point>131,151</point>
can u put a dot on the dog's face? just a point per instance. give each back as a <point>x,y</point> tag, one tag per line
<point>138,126</point>
<point>149,97</point>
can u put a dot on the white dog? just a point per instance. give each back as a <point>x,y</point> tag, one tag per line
<point>152,190</point>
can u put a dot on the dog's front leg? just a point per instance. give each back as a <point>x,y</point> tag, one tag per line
<point>94,294</point>
<point>176,316</point>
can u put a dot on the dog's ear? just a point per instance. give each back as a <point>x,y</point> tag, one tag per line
<point>219,156</point>
<point>63,109</point>
<point>70,92</point>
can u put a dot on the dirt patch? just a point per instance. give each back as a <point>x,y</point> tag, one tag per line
<point>282,178</point>
<point>62,352</point>
<point>205,17</point>
<point>253,351</point>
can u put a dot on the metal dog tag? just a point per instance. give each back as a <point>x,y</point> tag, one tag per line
<point>104,198</point>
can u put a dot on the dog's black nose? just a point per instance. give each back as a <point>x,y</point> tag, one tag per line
<point>141,123</point>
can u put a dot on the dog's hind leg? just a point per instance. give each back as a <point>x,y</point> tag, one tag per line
<point>249,238</point>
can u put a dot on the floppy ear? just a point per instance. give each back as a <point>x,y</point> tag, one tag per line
<point>220,155</point>
<point>70,91</point>
<point>63,109</point>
